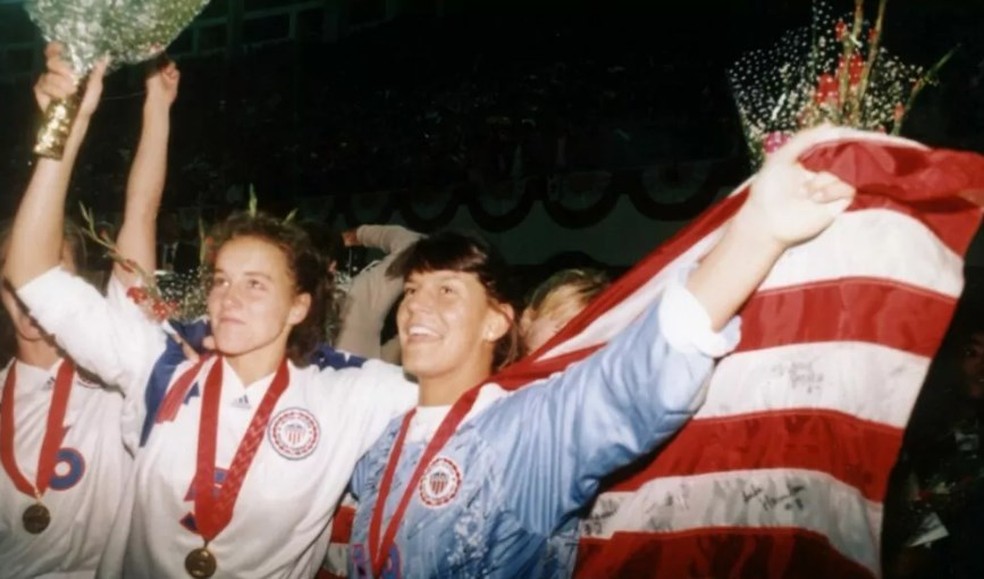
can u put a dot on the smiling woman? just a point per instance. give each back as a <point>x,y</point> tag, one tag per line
<point>480,481</point>
<point>456,319</point>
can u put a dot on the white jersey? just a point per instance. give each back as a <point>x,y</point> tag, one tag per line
<point>90,472</point>
<point>319,428</point>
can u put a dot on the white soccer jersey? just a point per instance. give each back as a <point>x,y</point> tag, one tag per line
<point>319,428</point>
<point>84,492</point>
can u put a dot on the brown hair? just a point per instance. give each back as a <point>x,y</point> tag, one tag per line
<point>305,264</point>
<point>466,253</point>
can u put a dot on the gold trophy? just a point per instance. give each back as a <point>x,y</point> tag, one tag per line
<point>125,31</point>
<point>56,124</point>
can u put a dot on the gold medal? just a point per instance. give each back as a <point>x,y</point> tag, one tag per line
<point>36,518</point>
<point>200,563</point>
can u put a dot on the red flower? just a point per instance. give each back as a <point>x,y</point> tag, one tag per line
<point>854,68</point>
<point>774,140</point>
<point>160,311</point>
<point>137,294</point>
<point>840,30</point>
<point>871,35</point>
<point>827,90</point>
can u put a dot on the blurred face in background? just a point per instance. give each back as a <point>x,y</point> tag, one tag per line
<point>559,308</point>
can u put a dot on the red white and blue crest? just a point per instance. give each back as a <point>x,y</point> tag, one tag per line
<point>440,483</point>
<point>294,433</point>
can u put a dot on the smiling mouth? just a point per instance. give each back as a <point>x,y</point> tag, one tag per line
<point>418,332</point>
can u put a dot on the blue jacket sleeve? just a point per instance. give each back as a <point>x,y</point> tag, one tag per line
<point>600,414</point>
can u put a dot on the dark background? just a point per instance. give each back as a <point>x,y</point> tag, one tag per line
<point>421,94</point>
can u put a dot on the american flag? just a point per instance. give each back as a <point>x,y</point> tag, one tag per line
<point>783,470</point>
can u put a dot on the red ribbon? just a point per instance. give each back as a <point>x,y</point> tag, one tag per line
<point>178,392</point>
<point>378,551</point>
<point>53,435</point>
<point>213,510</point>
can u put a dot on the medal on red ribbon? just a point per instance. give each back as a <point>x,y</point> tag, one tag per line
<point>213,509</point>
<point>36,517</point>
<point>378,549</point>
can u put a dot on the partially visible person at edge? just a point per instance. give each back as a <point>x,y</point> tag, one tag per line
<point>937,511</point>
<point>61,431</point>
<point>365,301</point>
<point>247,447</point>
<point>556,301</point>
<point>501,472</point>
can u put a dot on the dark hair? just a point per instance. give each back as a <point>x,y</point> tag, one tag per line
<point>305,263</point>
<point>75,239</point>
<point>467,253</point>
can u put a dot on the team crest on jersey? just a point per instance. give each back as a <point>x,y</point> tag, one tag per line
<point>294,433</point>
<point>440,482</point>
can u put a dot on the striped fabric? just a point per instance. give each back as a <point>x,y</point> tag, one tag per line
<point>783,471</point>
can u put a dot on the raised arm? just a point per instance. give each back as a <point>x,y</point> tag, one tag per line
<point>115,343</point>
<point>630,397</point>
<point>145,185</point>
<point>389,238</point>
<point>373,292</point>
<point>36,238</point>
<point>787,205</point>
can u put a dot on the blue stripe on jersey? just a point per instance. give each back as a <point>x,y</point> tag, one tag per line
<point>160,379</point>
<point>327,357</point>
<point>194,334</point>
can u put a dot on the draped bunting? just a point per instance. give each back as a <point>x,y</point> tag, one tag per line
<point>666,193</point>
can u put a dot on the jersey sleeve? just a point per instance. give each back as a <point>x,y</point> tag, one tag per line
<point>106,335</point>
<point>377,393</point>
<point>611,408</point>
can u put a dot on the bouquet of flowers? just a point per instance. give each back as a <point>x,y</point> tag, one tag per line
<point>162,297</point>
<point>125,31</point>
<point>831,72</point>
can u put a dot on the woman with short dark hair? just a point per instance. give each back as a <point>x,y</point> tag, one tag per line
<point>478,481</point>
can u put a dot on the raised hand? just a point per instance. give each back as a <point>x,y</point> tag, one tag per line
<point>790,204</point>
<point>60,81</point>
<point>162,82</point>
<point>350,237</point>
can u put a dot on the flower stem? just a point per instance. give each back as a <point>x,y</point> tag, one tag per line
<point>917,88</point>
<point>845,73</point>
<point>870,63</point>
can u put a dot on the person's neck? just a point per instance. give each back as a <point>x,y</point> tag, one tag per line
<point>251,366</point>
<point>445,390</point>
<point>37,353</point>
